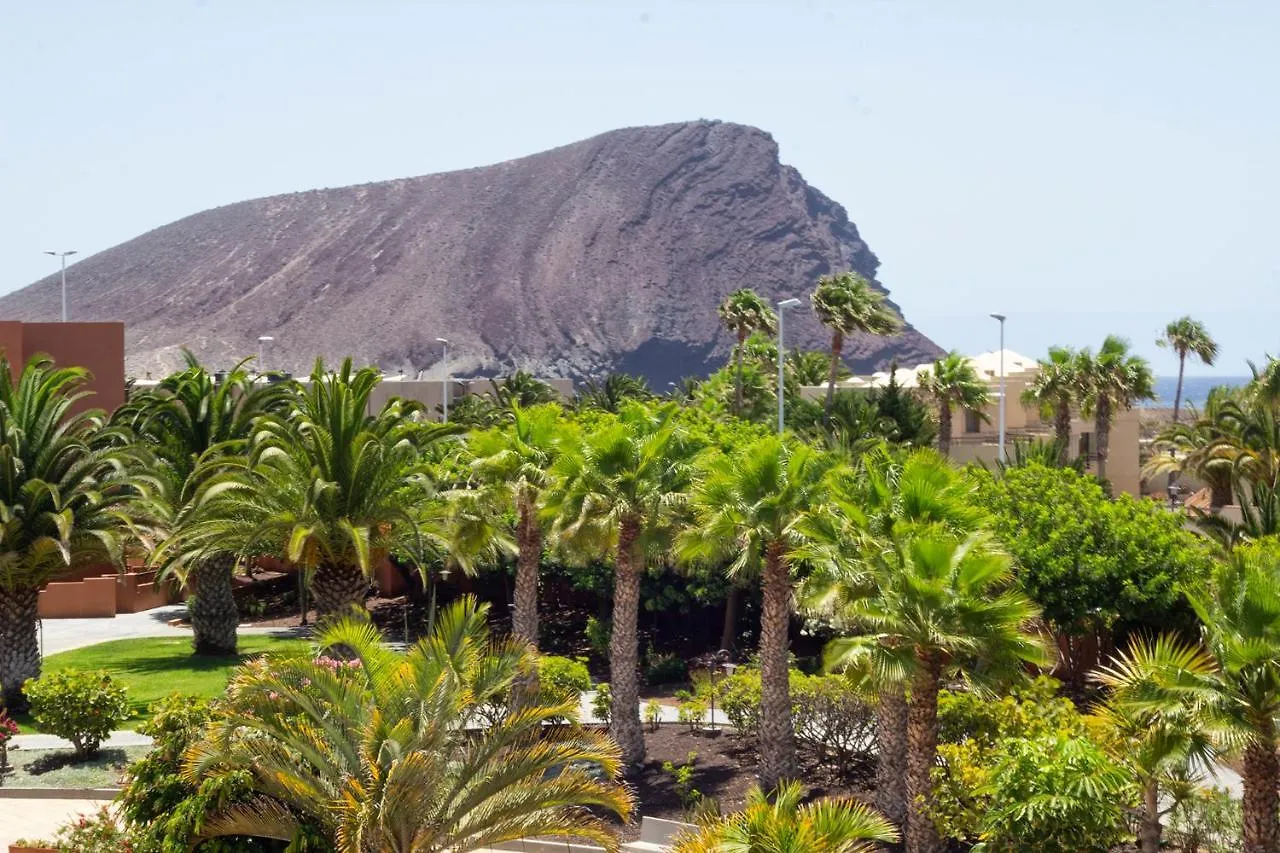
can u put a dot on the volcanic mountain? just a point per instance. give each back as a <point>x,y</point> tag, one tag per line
<point>607,254</point>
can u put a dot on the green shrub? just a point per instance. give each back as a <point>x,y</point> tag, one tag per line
<point>602,704</point>
<point>82,707</point>
<point>1208,821</point>
<point>101,833</point>
<point>740,701</point>
<point>682,780</point>
<point>692,712</point>
<point>666,669</point>
<point>598,633</point>
<point>1055,794</point>
<point>562,679</point>
<point>653,714</point>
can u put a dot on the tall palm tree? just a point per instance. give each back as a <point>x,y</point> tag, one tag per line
<point>614,392</point>
<point>1114,380</point>
<point>400,752</point>
<point>1157,722</point>
<point>515,460</point>
<point>847,304</point>
<point>1206,447</point>
<point>941,601</point>
<point>1187,337</point>
<point>744,312</point>
<point>953,381</point>
<point>622,490</point>
<point>1240,617</point>
<point>325,485</point>
<point>186,420</point>
<point>61,495</point>
<point>1056,389</point>
<point>785,824</point>
<point>751,508</point>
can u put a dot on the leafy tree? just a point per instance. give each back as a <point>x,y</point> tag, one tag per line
<point>953,381</point>
<point>1187,337</point>
<point>1114,379</point>
<point>907,418</point>
<point>751,508</point>
<point>847,304</point>
<point>1056,389</point>
<point>61,495</point>
<point>742,313</point>
<point>326,486</point>
<point>785,825</point>
<point>811,367</point>
<point>748,391</point>
<point>188,419</point>
<point>1092,563</point>
<point>621,490</point>
<point>390,751</point>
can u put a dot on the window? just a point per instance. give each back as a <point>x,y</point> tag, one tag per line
<point>972,423</point>
<point>1086,445</point>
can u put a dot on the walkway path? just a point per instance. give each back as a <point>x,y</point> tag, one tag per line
<point>38,818</point>
<point>62,635</point>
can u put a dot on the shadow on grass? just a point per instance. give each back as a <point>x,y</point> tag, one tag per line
<point>104,758</point>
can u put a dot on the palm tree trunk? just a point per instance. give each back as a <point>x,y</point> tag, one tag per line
<point>837,346</point>
<point>1062,429</point>
<point>732,607</point>
<point>214,617</point>
<point>922,753</point>
<point>1102,428</point>
<point>777,734</point>
<point>19,647</point>
<point>1261,777</point>
<point>1177,395</point>
<point>337,590</point>
<point>891,758</point>
<point>624,664</point>
<point>1150,830</point>
<point>944,427</point>
<point>737,391</point>
<point>529,536</point>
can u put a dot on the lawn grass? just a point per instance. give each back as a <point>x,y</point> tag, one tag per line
<point>56,768</point>
<point>151,668</point>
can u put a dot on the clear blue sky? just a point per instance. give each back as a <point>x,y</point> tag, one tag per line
<point>1084,167</point>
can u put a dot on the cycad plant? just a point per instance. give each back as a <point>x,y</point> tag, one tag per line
<point>743,313</point>
<point>386,751</point>
<point>325,485</point>
<point>953,381</point>
<point>61,496</point>
<point>751,511</point>
<point>189,419</point>
<point>847,304</point>
<point>621,491</point>
<point>783,823</point>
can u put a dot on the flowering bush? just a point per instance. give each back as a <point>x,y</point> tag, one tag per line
<point>100,834</point>
<point>82,707</point>
<point>8,728</point>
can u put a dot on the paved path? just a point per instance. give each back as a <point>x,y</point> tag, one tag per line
<point>117,739</point>
<point>62,635</point>
<point>39,818</point>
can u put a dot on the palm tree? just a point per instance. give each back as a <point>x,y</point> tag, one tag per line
<point>811,367</point>
<point>744,312</point>
<point>940,601</point>
<point>1056,388</point>
<point>188,419</point>
<point>1157,723</point>
<point>1114,380</point>
<point>515,460</point>
<point>1187,337</point>
<point>751,508</point>
<point>953,381</point>
<point>61,494</point>
<point>326,486</point>
<point>621,490</point>
<point>1240,616</point>
<point>385,751</point>
<point>785,825</point>
<point>1206,446</point>
<point>847,304</point>
<point>614,392</point>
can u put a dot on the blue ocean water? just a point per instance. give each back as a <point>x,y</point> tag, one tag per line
<point>1195,389</point>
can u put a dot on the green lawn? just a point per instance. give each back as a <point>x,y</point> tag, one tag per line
<point>154,667</point>
<point>55,768</point>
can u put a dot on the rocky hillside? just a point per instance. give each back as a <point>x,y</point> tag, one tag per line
<point>610,253</point>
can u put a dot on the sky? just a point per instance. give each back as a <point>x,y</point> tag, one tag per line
<point>1084,168</point>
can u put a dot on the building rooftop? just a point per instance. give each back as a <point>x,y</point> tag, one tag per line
<point>986,363</point>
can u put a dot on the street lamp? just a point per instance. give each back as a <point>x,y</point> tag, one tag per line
<point>63,255</point>
<point>782,313</point>
<point>1003,455</point>
<point>445,344</point>
<point>262,342</point>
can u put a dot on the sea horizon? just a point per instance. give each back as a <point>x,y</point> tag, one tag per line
<point>1195,389</point>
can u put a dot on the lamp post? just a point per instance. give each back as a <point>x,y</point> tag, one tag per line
<point>1003,454</point>
<point>444,343</point>
<point>63,255</point>
<point>782,313</point>
<point>262,343</point>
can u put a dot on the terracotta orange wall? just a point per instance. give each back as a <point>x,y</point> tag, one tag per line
<point>98,347</point>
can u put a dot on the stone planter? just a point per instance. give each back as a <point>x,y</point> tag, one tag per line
<point>22,848</point>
